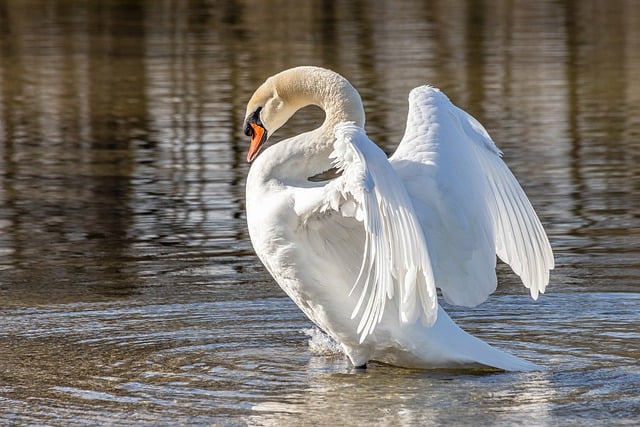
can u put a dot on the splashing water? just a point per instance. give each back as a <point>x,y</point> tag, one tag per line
<point>321,344</point>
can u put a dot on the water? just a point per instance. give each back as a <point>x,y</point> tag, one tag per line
<point>129,293</point>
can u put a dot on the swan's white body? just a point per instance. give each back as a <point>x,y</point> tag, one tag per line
<point>362,253</point>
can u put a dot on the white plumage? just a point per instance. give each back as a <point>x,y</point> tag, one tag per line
<point>361,241</point>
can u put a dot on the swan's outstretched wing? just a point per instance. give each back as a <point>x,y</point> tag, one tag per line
<point>395,261</point>
<point>470,205</point>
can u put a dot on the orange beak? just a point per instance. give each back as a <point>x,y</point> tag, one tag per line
<point>257,140</point>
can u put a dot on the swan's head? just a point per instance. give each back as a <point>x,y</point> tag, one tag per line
<point>278,98</point>
<point>268,110</point>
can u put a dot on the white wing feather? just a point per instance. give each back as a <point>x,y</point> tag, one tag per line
<point>395,261</point>
<point>470,205</point>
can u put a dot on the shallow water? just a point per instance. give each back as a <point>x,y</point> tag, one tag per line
<point>129,292</point>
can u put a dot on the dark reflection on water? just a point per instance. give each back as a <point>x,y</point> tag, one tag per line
<point>127,280</point>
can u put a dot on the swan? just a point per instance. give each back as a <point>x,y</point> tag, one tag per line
<point>361,241</point>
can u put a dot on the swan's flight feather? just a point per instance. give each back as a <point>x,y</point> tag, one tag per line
<point>470,204</point>
<point>395,259</point>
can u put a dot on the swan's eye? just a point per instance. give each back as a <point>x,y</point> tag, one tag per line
<point>253,118</point>
<point>248,130</point>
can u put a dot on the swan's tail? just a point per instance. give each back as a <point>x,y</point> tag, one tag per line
<point>486,355</point>
<point>445,344</point>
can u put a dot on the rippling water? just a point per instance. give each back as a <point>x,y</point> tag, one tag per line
<point>129,293</point>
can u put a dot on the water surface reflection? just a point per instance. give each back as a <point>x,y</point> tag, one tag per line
<point>128,288</point>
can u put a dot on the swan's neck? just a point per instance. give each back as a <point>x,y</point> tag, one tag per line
<point>305,155</point>
<point>333,93</point>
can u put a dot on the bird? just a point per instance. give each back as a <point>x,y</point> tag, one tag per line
<point>365,244</point>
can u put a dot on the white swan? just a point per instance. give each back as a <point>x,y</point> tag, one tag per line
<point>360,242</point>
